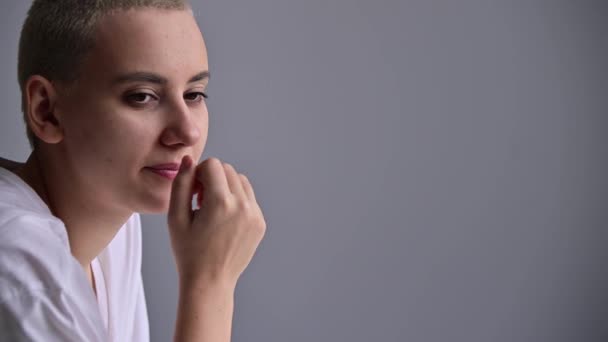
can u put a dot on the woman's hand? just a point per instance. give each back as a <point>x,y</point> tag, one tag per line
<point>217,241</point>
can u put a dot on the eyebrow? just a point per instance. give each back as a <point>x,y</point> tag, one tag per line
<point>143,76</point>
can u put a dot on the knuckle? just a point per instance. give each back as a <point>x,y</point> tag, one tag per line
<point>231,168</point>
<point>212,162</point>
<point>258,219</point>
<point>261,226</point>
<point>243,205</point>
<point>224,203</point>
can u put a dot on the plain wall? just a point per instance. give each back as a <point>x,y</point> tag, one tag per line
<point>428,170</point>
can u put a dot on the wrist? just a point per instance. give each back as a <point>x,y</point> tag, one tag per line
<point>207,283</point>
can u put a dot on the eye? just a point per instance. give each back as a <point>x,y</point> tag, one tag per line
<point>140,98</point>
<point>195,96</point>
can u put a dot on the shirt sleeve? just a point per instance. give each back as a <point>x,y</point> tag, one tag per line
<point>47,315</point>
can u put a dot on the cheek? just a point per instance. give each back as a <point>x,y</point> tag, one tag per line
<point>123,144</point>
<point>106,138</point>
<point>96,136</point>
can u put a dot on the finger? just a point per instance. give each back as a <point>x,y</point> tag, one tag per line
<point>180,205</point>
<point>212,177</point>
<point>234,181</point>
<point>247,187</point>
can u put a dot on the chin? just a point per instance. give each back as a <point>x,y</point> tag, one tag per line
<point>154,205</point>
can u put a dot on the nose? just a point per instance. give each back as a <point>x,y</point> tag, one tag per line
<point>182,128</point>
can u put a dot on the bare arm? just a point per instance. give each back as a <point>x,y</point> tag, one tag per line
<point>212,245</point>
<point>205,312</point>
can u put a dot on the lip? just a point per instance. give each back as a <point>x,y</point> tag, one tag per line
<point>167,170</point>
<point>169,174</point>
<point>166,166</point>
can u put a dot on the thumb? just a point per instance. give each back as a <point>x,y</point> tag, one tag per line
<point>180,205</point>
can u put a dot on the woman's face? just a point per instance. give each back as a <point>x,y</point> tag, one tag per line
<point>138,103</point>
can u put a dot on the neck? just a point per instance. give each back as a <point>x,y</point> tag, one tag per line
<point>90,223</point>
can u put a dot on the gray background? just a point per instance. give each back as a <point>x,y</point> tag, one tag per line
<point>428,170</point>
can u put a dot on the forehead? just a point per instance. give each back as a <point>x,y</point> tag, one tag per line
<point>165,42</point>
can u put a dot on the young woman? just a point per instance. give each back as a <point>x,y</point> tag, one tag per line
<point>113,96</point>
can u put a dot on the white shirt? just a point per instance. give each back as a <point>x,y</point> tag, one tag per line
<point>45,294</point>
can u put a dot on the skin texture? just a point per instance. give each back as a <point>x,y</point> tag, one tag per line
<point>99,135</point>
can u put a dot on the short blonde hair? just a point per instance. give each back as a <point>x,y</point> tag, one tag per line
<point>57,34</point>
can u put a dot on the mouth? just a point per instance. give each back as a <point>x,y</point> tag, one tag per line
<point>168,171</point>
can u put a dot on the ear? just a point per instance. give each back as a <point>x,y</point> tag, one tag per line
<point>41,99</point>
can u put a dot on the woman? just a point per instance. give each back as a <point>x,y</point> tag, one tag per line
<point>113,96</point>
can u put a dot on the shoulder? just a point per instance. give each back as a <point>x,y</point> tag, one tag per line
<point>43,289</point>
<point>49,315</point>
<point>34,255</point>
<point>34,249</point>
<point>22,210</point>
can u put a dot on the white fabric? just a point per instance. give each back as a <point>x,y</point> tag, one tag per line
<point>44,292</point>
<point>100,290</point>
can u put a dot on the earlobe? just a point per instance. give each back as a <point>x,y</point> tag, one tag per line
<point>41,98</point>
